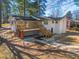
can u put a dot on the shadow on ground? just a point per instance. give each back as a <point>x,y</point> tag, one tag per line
<point>22,52</point>
<point>68,38</point>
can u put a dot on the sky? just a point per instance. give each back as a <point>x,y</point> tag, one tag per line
<point>58,8</point>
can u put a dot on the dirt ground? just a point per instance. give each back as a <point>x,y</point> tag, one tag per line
<point>11,48</point>
<point>70,37</point>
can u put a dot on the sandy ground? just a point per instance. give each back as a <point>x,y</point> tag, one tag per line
<point>70,37</point>
<point>14,47</point>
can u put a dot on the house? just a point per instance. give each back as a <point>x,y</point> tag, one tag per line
<point>57,26</point>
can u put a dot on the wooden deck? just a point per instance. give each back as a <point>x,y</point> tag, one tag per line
<point>36,29</point>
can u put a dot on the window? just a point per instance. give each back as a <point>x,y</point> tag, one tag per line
<point>45,22</point>
<point>56,21</point>
<point>52,21</point>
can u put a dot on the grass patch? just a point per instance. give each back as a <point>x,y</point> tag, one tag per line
<point>5,25</point>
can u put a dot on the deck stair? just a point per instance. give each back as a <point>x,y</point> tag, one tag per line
<point>45,32</point>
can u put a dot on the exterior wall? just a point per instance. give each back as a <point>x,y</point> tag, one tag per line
<point>68,24</point>
<point>62,25</point>
<point>49,25</point>
<point>59,27</point>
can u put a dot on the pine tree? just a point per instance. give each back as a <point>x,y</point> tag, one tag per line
<point>76,2</point>
<point>42,7</point>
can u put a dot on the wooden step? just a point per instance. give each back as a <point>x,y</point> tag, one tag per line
<point>45,32</point>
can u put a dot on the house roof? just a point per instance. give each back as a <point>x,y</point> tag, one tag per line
<point>33,18</point>
<point>52,18</point>
<point>68,15</point>
<point>37,18</point>
<point>24,18</point>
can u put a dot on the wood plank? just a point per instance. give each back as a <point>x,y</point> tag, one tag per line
<point>31,29</point>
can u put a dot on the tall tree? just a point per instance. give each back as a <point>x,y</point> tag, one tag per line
<point>33,8</point>
<point>76,2</point>
<point>0,11</point>
<point>24,6</point>
<point>21,7</point>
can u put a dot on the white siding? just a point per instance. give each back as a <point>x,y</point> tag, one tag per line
<point>59,27</point>
<point>62,25</point>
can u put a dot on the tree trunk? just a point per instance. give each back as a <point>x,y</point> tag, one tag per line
<point>0,11</point>
<point>24,8</point>
<point>0,18</point>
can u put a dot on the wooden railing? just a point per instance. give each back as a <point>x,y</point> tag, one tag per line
<point>28,25</point>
